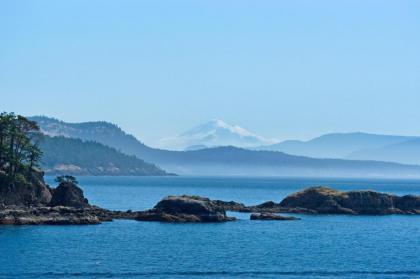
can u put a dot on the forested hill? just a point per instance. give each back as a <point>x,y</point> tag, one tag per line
<point>224,160</point>
<point>63,155</point>
<point>99,131</point>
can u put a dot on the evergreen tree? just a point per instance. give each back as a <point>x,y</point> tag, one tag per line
<point>19,150</point>
<point>66,179</point>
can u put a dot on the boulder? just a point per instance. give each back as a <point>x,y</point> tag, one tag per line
<point>271,216</point>
<point>323,200</point>
<point>185,209</point>
<point>68,194</point>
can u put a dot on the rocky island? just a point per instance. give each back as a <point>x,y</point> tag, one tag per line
<point>185,209</point>
<point>35,203</point>
<point>324,200</point>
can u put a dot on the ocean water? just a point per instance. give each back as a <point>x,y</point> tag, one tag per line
<point>325,246</point>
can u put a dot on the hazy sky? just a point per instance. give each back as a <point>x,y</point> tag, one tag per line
<point>284,69</point>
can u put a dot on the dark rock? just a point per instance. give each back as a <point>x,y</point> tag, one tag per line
<point>230,205</point>
<point>408,203</point>
<point>59,215</point>
<point>30,203</point>
<point>323,200</point>
<point>29,190</point>
<point>47,215</point>
<point>185,209</point>
<point>271,216</point>
<point>68,194</point>
<point>266,207</point>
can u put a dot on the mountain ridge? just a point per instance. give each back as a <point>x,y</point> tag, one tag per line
<point>407,152</point>
<point>238,161</point>
<point>337,145</point>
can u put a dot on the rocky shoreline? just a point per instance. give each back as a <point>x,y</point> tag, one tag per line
<point>60,215</point>
<point>66,205</point>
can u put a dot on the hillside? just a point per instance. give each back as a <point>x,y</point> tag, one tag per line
<point>407,152</point>
<point>226,160</point>
<point>338,145</point>
<point>100,131</point>
<point>73,156</point>
<point>238,161</point>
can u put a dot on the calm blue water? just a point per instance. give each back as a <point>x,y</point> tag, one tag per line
<point>315,247</point>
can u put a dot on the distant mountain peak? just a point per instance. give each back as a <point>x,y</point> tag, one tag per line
<point>217,124</point>
<point>213,133</point>
<point>224,159</point>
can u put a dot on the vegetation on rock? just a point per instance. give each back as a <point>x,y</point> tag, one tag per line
<point>19,146</point>
<point>20,180</point>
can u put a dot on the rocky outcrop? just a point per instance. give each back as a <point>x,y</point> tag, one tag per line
<point>29,190</point>
<point>68,194</point>
<point>323,200</point>
<point>271,216</point>
<point>266,207</point>
<point>58,215</point>
<point>68,206</point>
<point>35,203</point>
<point>230,205</point>
<point>185,209</point>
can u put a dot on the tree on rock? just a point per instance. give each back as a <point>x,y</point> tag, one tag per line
<point>21,182</point>
<point>19,149</point>
<point>68,193</point>
<point>66,179</point>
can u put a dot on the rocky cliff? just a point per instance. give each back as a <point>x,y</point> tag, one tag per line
<point>24,190</point>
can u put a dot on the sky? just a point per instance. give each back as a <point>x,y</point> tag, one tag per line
<point>282,69</point>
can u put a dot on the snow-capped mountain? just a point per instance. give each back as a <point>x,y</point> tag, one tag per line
<point>213,133</point>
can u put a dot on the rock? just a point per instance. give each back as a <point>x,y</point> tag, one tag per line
<point>48,216</point>
<point>59,215</point>
<point>30,190</point>
<point>230,205</point>
<point>68,194</point>
<point>266,207</point>
<point>323,200</point>
<point>408,203</point>
<point>185,209</point>
<point>32,204</point>
<point>271,216</point>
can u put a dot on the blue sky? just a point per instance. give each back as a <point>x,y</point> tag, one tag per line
<point>284,69</point>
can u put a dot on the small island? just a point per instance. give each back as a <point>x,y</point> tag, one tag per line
<point>325,200</point>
